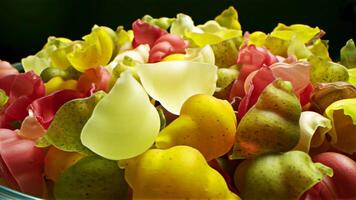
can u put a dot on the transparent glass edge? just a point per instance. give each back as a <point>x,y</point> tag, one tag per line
<point>7,193</point>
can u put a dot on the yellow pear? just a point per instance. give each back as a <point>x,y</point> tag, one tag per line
<point>180,172</point>
<point>206,123</point>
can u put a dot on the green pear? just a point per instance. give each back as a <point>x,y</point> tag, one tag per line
<point>279,176</point>
<point>271,125</point>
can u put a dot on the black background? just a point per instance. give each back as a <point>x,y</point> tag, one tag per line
<point>26,24</point>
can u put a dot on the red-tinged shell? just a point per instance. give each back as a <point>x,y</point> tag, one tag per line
<point>251,58</point>
<point>46,107</point>
<point>145,33</point>
<point>260,81</point>
<point>21,163</point>
<point>6,69</point>
<point>297,73</point>
<point>166,45</point>
<point>341,185</point>
<point>257,56</point>
<point>31,128</point>
<point>22,89</point>
<point>94,78</point>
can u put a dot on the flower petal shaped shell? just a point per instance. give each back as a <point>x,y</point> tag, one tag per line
<point>124,123</point>
<point>342,114</point>
<point>173,82</point>
<point>312,125</point>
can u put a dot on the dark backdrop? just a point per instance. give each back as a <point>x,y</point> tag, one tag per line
<point>26,24</point>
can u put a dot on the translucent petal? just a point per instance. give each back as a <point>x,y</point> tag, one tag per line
<point>53,54</point>
<point>173,82</point>
<point>96,50</point>
<point>282,37</point>
<point>6,68</point>
<point>303,32</point>
<point>197,54</point>
<point>309,123</point>
<point>297,48</point>
<point>342,114</point>
<point>64,131</point>
<point>128,60</point>
<point>35,64</point>
<point>31,128</point>
<point>124,123</point>
<point>182,24</point>
<point>202,55</point>
<point>297,73</point>
<point>140,55</point>
<point>213,33</point>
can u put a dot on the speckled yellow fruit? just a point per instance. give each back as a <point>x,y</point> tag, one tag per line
<point>176,56</point>
<point>206,123</point>
<point>57,83</point>
<point>180,172</point>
